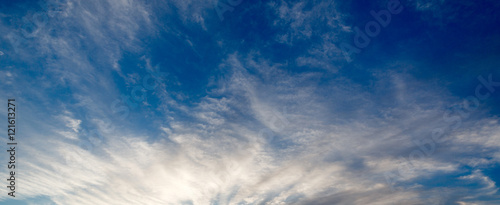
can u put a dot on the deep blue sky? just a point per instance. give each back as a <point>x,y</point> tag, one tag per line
<point>165,102</point>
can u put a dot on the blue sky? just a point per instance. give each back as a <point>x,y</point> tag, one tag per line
<point>253,102</point>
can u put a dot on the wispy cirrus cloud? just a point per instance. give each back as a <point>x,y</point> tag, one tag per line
<point>260,134</point>
<point>315,159</point>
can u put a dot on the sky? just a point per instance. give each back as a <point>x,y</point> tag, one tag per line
<point>217,102</point>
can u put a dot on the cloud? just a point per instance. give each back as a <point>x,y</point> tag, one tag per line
<point>489,185</point>
<point>442,13</point>
<point>314,157</point>
<point>303,21</point>
<point>74,124</point>
<point>195,11</point>
<point>261,135</point>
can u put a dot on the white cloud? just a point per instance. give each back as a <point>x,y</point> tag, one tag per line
<point>315,157</point>
<point>224,160</point>
<point>332,143</point>
<point>74,124</point>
